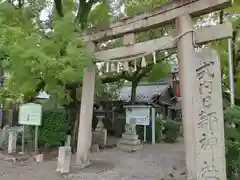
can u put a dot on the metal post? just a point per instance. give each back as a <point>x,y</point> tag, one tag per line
<point>23,138</point>
<point>145,133</point>
<point>36,139</point>
<point>153,125</point>
<point>230,72</point>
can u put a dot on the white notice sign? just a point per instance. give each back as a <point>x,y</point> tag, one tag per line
<point>30,114</point>
<point>142,121</point>
<point>138,116</point>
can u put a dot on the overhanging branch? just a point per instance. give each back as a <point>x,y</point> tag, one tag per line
<point>148,68</point>
<point>117,77</point>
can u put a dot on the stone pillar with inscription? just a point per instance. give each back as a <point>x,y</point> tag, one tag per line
<point>209,125</point>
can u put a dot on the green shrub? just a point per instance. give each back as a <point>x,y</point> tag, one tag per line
<point>171,131</point>
<point>54,128</point>
<point>119,125</point>
<point>232,141</point>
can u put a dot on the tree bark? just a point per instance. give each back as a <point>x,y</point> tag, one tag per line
<point>134,91</point>
<point>221,15</point>
<point>75,132</point>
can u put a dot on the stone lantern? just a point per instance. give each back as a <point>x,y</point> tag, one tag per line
<point>100,133</point>
<point>100,114</point>
<point>175,81</point>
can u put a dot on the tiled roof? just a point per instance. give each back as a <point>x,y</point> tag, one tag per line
<point>43,95</point>
<point>144,92</point>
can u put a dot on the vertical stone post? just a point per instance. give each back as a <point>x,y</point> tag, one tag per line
<point>12,141</point>
<point>186,60</point>
<point>68,140</point>
<point>153,125</point>
<point>64,159</point>
<point>86,112</point>
<point>209,123</point>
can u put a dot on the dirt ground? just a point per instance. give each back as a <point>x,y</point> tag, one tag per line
<point>153,162</point>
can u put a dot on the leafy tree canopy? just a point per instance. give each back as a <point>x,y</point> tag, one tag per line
<point>36,61</point>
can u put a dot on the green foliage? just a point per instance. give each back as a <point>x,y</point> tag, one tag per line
<point>172,131</point>
<point>54,129</point>
<point>134,7</point>
<point>38,61</point>
<point>100,15</point>
<point>159,71</point>
<point>232,141</point>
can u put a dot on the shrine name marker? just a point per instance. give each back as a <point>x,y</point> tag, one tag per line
<point>209,125</point>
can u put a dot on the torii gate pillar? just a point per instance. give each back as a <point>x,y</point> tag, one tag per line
<point>186,59</point>
<point>86,112</point>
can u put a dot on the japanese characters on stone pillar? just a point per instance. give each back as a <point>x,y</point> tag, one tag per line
<point>209,131</point>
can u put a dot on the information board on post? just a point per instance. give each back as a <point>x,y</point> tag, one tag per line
<point>144,121</point>
<point>138,116</point>
<point>30,114</point>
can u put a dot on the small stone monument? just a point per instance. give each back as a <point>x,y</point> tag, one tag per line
<point>12,141</point>
<point>64,159</point>
<point>39,158</point>
<point>68,140</point>
<point>129,141</point>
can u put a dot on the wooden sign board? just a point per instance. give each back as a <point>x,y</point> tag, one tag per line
<point>30,114</point>
<point>209,125</point>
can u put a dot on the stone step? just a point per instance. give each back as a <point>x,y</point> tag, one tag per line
<point>129,141</point>
<point>130,136</point>
<point>129,148</point>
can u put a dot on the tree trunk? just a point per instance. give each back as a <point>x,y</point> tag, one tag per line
<point>134,91</point>
<point>75,132</point>
<point>221,15</point>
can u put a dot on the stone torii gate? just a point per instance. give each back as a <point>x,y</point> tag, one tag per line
<point>180,12</point>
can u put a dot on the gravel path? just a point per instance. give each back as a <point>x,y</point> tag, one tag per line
<point>153,162</point>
